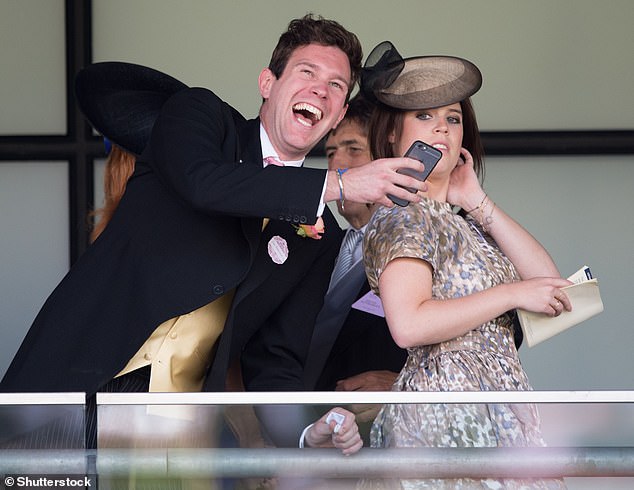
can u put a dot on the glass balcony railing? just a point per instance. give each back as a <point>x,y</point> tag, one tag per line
<point>191,437</point>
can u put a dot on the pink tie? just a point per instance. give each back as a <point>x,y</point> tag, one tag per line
<point>273,161</point>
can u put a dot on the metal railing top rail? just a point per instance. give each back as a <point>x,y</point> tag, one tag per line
<point>321,397</point>
<point>42,398</point>
<point>379,397</point>
<point>474,462</point>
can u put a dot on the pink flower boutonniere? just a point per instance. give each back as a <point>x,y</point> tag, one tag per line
<point>311,231</point>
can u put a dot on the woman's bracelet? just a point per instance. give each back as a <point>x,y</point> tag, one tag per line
<point>479,206</point>
<point>342,196</point>
<point>485,221</point>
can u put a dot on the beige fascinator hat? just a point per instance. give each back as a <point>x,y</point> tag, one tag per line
<point>421,82</point>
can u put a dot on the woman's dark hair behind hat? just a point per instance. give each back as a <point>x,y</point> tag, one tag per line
<point>122,100</point>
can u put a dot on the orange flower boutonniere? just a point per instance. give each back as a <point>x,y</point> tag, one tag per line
<point>311,231</point>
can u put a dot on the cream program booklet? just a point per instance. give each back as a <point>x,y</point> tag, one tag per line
<point>586,302</point>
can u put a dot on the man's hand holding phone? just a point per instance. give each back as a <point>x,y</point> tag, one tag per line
<point>374,182</point>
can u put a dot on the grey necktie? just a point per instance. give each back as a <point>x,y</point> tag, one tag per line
<point>345,285</point>
<point>347,256</point>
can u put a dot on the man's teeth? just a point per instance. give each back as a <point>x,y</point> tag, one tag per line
<point>440,146</point>
<point>314,113</point>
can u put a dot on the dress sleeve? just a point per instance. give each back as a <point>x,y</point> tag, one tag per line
<point>399,232</point>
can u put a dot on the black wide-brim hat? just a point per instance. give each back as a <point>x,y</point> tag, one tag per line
<point>122,100</point>
<point>421,82</point>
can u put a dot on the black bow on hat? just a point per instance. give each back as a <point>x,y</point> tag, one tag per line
<point>122,100</point>
<point>421,82</point>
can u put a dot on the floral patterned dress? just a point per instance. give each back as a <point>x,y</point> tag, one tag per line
<point>464,260</point>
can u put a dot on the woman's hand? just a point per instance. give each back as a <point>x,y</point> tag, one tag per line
<point>542,295</point>
<point>346,438</point>
<point>464,188</point>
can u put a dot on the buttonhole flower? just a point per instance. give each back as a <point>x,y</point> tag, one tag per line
<point>311,231</point>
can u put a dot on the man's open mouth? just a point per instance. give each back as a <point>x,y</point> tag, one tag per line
<point>309,114</point>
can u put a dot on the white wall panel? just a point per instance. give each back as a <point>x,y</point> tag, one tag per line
<point>562,65</point>
<point>32,57</point>
<point>34,244</point>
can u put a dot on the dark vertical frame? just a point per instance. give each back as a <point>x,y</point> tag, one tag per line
<point>80,148</point>
<point>78,54</point>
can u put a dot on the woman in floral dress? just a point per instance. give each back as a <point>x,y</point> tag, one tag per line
<point>449,281</point>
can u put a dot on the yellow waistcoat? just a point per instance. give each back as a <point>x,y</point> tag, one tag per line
<point>179,350</point>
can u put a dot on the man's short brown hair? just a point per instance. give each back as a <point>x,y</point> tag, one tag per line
<point>317,30</point>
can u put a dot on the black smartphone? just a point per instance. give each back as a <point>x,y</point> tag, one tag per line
<point>424,153</point>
